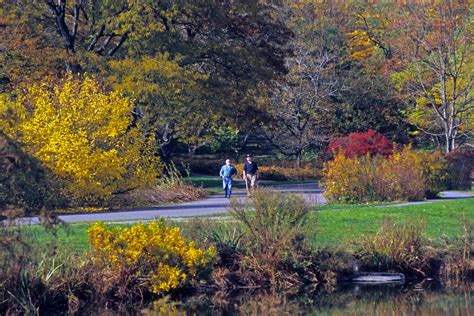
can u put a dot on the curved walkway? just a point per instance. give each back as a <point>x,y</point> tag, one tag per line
<point>213,204</point>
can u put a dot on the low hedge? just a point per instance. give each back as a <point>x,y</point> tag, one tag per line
<point>212,166</point>
<point>277,173</point>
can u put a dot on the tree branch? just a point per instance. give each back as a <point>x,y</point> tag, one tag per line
<point>99,34</point>
<point>123,38</point>
<point>59,11</point>
<point>105,44</point>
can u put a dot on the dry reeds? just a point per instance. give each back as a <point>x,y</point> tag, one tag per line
<point>396,246</point>
<point>171,188</point>
<point>272,251</point>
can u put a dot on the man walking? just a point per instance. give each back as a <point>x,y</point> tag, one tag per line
<point>250,173</point>
<point>226,173</point>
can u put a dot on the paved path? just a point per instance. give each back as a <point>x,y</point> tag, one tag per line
<point>447,195</point>
<point>456,195</point>
<point>211,205</point>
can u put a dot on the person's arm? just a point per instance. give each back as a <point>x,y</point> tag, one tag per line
<point>221,173</point>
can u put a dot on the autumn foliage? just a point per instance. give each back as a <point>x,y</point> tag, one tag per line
<point>279,173</point>
<point>405,175</point>
<point>82,133</point>
<point>361,144</point>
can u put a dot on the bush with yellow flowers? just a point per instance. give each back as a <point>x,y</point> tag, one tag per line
<point>83,133</point>
<point>400,177</point>
<point>157,254</point>
<point>350,179</point>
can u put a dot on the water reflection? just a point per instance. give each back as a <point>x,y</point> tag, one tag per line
<point>354,300</point>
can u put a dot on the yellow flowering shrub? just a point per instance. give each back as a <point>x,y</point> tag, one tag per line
<point>435,170</point>
<point>157,253</point>
<point>350,179</point>
<point>400,176</point>
<point>405,175</point>
<point>84,134</point>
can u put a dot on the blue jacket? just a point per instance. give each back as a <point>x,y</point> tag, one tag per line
<point>227,171</point>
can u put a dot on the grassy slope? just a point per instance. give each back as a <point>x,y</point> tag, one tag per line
<point>73,237</point>
<point>339,227</point>
<point>332,225</point>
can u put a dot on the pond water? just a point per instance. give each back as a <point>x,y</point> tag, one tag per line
<point>426,300</point>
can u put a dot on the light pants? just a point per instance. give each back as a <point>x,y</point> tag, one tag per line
<point>251,180</point>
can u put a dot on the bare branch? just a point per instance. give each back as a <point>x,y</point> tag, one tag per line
<point>118,45</point>
<point>105,44</point>
<point>98,35</point>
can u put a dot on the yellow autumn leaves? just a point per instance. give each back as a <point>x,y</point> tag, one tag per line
<point>157,253</point>
<point>84,134</point>
<point>405,175</point>
<point>361,45</point>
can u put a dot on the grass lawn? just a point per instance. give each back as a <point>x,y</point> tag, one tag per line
<point>72,236</point>
<point>329,226</point>
<point>336,226</point>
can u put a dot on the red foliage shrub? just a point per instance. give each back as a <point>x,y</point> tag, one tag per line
<point>361,144</point>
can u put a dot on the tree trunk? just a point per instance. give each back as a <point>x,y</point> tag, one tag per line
<point>298,160</point>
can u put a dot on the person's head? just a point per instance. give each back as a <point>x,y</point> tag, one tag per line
<point>227,162</point>
<point>248,158</point>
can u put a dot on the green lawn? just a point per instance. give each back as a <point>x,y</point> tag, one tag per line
<point>73,236</point>
<point>330,225</point>
<point>338,226</point>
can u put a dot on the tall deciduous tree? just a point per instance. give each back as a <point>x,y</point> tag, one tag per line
<point>301,98</point>
<point>169,101</point>
<point>241,39</point>
<point>369,101</point>
<point>235,44</point>
<point>438,76</point>
<point>300,101</point>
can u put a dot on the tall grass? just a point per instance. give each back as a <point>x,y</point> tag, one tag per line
<point>274,252</point>
<point>36,278</point>
<point>171,188</point>
<point>458,258</point>
<point>172,177</point>
<point>272,218</point>
<point>398,246</point>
